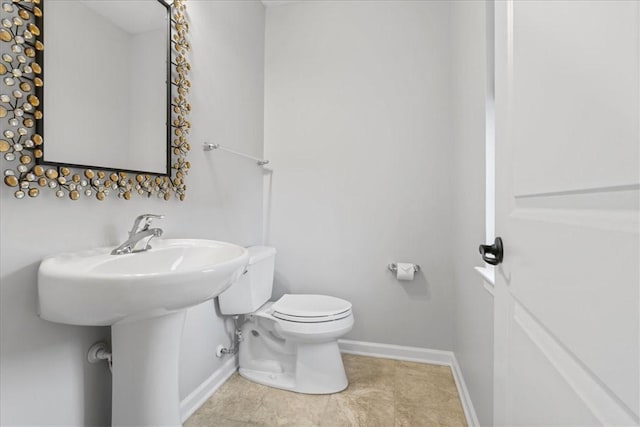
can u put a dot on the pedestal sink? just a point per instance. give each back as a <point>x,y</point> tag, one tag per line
<point>143,297</point>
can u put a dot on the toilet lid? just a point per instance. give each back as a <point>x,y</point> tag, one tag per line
<point>310,308</point>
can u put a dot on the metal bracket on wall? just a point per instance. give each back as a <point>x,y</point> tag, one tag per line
<point>394,267</point>
<point>207,146</point>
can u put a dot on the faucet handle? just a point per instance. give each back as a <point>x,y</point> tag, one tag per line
<point>145,220</point>
<point>143,216</point>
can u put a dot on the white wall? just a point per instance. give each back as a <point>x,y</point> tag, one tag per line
<point>357,127</point>
<point>473,339</point>
<point>44,376</point>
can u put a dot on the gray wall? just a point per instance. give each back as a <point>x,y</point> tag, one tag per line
<point>45,379</point>
<point>473,338</point>
<point>357,126</point>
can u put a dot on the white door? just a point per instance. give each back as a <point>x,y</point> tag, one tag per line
<point>567,196</point>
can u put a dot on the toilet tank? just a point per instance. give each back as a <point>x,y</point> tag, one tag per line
<point>253,288</point>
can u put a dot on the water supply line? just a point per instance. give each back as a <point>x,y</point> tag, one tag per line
<point>237,339</point>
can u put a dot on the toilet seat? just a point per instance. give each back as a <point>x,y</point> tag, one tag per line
<point>310,308</point>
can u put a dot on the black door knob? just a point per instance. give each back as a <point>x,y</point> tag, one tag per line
<point>492,254</point>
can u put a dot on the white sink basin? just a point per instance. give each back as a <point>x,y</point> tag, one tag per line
<point>143,296</point>
<point>96,288</point>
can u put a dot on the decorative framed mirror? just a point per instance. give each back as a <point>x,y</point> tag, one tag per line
<point>111,116</point>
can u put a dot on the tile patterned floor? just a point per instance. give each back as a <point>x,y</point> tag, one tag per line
<point>381,393</point>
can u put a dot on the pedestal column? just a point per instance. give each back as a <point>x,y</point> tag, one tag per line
<point>145,371</point>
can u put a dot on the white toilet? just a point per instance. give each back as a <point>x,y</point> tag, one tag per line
<point>291,343</point>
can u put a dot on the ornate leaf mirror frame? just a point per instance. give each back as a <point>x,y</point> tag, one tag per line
<point>21,116</point>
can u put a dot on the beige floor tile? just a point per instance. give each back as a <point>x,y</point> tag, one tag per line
<point>426,395</point>
<point>423,391</point>
<point>236,400</point>
<point>369,372</point>
<point>360,408</point>
<point>412,415</point>
<point>285,408</point>
<point>206,420</point>
<point>439,373</point>
<point>381,393</point>
<point>424,383</point>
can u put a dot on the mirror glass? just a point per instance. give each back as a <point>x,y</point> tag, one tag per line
<point>106,97</point>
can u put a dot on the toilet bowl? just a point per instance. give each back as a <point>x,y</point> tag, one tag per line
<point>290,343</point>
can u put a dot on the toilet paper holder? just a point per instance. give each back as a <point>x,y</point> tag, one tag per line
<point>394,268</point>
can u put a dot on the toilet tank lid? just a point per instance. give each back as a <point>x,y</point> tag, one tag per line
<point>258,253</point>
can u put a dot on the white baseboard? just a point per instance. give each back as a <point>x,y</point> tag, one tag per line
<point>397,352</point>
<point>421,355</point>
<point>465,398</point>
<point>204,391</point>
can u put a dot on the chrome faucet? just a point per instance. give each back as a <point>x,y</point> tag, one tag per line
<point>140,232</point>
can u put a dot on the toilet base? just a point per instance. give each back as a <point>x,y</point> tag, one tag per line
<point>318,370</point>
